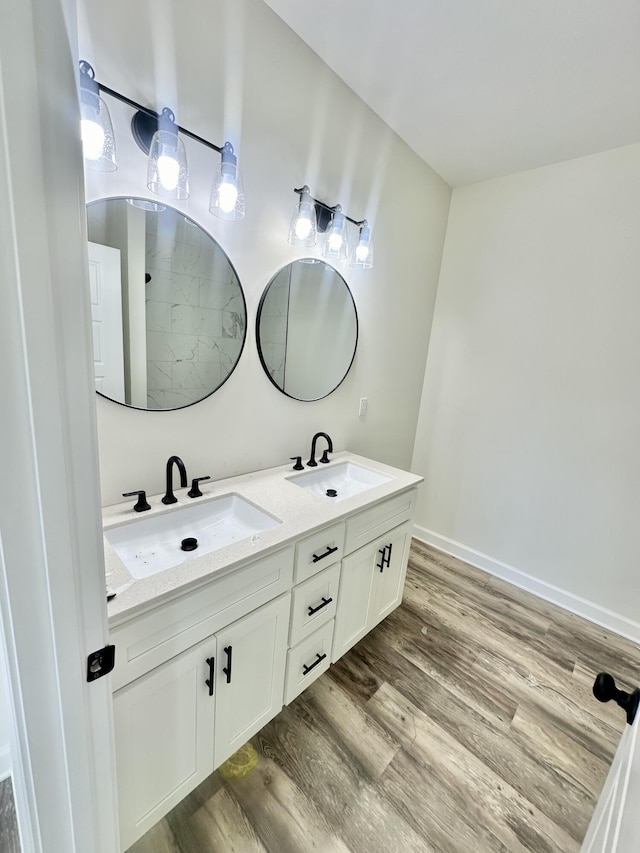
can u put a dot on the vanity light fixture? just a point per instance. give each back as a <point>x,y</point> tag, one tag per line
<point>311,216</point>
<point>159,136</point>
<point>98,142</point>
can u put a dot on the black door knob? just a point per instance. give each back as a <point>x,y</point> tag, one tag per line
<point>604,689</point>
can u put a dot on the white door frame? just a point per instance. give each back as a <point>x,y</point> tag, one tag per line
<point>52,591</point>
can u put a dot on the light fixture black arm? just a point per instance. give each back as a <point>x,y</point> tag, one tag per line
<point>84,69</point>
<point>305,191</point>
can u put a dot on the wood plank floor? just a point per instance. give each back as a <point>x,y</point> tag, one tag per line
<point>464,722</point>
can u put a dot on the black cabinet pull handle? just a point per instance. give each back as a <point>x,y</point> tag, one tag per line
<point>209,681</point>
<point>604,689</point>
<point>386,558</point>
<point>227,669</point>
<point>325,601</point>
<point>329,550</point>
<point>319,658</point>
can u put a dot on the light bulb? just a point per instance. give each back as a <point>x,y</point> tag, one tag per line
<point>303,227</point>
<point>362,251</point>
<point>168,172</point>
<point>335,241</point>
<point>93,137</point>
<point>228,195</point>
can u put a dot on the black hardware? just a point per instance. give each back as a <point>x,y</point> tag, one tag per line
<point>319,658</point>
<point>317,557</point>
<point>604,689</point>
<point>209,681</point>
<point>331,493</point>
<point>141,504</point>
<point>189,544</point>
<point>325,457</point>
<point>385,557</point>
<point>312,462</point>
<point>298,466</point>
<point>101,662</point>
<point>194,491</point>
<point>111,595</point>
<point>325,601</point>
<point>324,212</point>
<point>169,497</point>
<point>142,135</point>
<point>227,669</point>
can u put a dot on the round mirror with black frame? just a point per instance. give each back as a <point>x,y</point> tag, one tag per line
<point>307,329</point>
<point>169,316</point>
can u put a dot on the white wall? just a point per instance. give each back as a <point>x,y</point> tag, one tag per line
<point>234,70</point>
<point>529,429</point>
<point>5,752</point>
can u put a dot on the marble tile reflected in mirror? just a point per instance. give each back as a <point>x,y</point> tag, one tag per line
<point>168,313</point>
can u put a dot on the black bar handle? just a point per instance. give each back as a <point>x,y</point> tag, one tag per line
<point>227,669</point>
<point>319,658</point>
<point>604,689</point>
<point>194,491</point>
<point>141,504</point>
<point>330,550</point>
<point>325,601</point>
<point>212,669</point>
<point>385,560</point>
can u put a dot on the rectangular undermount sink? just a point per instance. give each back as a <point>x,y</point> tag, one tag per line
<point>150,545</point>
<point>339,481</point>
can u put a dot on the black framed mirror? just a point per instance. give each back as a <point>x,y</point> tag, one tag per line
<point>307,329</point>
<point>169,317</point>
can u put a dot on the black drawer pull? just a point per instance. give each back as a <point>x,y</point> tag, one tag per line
<point>227,669</point>
<point>329,550</point>
<point>319,658</point>
<point>325,601</point>
<point>209,681</point>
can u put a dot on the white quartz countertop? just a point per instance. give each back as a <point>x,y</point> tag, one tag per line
<point>299,510</point>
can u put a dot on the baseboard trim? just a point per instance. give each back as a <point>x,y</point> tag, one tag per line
<point>573,603</point>
<point>5,763</point>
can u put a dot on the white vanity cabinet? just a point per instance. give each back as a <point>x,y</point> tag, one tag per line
<point>199,671</point>
<point>164,730</point>
<point>372,576</point>
<point>180,720</point>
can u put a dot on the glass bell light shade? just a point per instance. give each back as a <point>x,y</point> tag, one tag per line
<point>227,193</point>
<point>336,247</point>
<point>167,172</point>
<point>98,141</point>
<point>303,230</point>
<point>361,255</point>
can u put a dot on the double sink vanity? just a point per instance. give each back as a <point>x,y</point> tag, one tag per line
<point>290,569</point>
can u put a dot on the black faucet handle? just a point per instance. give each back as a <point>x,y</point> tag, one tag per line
<point>194,491</point>
<point>325,457</point>
<point>142,503</point>
<point>298,460</point>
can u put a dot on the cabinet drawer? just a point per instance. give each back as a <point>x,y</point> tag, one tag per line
<point>307,661</point>
<point>313,603</point>
<point>377,520</point>
<point>317,552</point>
<point>148,640</point>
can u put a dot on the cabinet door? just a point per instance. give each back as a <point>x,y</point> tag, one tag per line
<point>356,577</point>
<point>389,573</point>
<point>251,665</point>
<point>164,738</point>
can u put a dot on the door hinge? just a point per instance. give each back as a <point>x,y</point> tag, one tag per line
<point>101,662</point>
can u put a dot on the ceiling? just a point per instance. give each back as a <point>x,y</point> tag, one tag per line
<point>483,88</point>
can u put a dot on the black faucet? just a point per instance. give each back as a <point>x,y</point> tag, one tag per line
<point>169,497</point>
<point>312,462</point>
